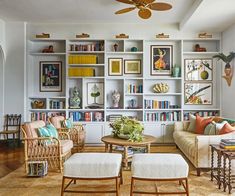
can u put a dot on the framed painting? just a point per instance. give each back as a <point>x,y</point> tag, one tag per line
<point>115,66</point>
<point>198,69</point>
<point>132,66</point>
<point>95,94</point>
<point>50,76</point>
<point>161,59</point>
<point>198,93</point>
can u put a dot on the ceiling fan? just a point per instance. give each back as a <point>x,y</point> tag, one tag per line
<point>144,6</point>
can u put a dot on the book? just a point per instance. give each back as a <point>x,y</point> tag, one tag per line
<point>228,141</point>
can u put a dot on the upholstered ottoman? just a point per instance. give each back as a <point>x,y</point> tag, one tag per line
<point>159,167</point>
<point>92,166</point>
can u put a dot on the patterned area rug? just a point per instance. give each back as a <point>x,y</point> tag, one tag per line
<point>17,183</point>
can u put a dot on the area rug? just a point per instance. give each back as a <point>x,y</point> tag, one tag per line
<point>17,183</point>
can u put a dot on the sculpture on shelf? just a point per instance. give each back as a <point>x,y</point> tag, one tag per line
<point>198,48</point>
<point>116,98</point>
<point>161,88</point>
<point>48,50</point>
<point>75,100</point>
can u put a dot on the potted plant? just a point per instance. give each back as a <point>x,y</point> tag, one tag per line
<point>228,68</point>
<point>128,128</point>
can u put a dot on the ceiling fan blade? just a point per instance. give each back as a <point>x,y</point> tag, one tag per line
<point>125,1</point>
<point>148,1</point>
<point>159,6</point>
<point>125,10</point>
<point>144,13</point>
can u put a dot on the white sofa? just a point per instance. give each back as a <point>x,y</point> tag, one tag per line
<point>196,147</point>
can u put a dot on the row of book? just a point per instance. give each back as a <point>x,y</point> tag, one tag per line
<point>227,144</point>
<point>37,168</point>
<point>87,116</point>
<point>83,59</point>
<point>201,113</point>
<point>57,104</point>
<point>131,150</point>
<point>132,88</point>
<point>163,116</point>
<point>154,104</point>
<point>86,47</point>
<point>81,71</point>
<point>44,115</point>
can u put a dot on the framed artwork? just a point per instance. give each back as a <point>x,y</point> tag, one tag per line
<point>115,66</point>
<point>50,76</point>
<point>95,94</point>
<point>132,66</point>
<point>198,93</point>
<point>161,59</point>
<point>198,69</point>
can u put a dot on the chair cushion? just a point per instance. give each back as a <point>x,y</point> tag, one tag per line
<point>56,121</point>
<point>32,127</point>
<point>66,145</point>
<point>93,165</point>
<point>159,166</point>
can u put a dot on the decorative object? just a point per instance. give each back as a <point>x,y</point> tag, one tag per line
<point>204,35</point>
<point>198,93</point>
<point>115,66</point>
<point>116,98</point>
<point>95,94</point>
<point>145,7</point>
<point>43,35</point>
<point>132,66</point>
<point>198,69</point>
<point>83,35</point>
<point>161,59</point>
<point>50,76</point>
<point>48,50</point>
<point>134,49</point>
<point>132,104</point>
<point>228,69</point>
<point>115,47</point>
<point>162,35</point>
<point>75,100</point>
<point>122,35</point>
<point>127,128</point>
<point>38,104</point>
<point>176,71</point>
<point>161,88</point>
<point>98,116</point>
<point>199,49</point>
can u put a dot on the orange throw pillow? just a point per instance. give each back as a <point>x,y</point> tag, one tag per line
<point>227,128</point>
<point>201,123</point>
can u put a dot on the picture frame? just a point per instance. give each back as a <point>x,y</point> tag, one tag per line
<point>50,76</point>
<point>115,67</point>
<point>198,69</point>
<point>198,93</point>
<point>132,66</point>
<point>161,59</point>
<point>95,94</point>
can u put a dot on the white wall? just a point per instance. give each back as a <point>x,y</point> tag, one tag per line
<point>228,93</point>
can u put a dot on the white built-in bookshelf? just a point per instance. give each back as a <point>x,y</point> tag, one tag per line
<point>157,111</point>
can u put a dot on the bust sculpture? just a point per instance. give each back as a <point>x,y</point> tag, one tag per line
<point>75,100</point>
<point>116,98</point>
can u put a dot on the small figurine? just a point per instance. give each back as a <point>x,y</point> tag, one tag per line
<point>162,35</point>
<point>116,98</point>
<point>48,50</point>
<point>75,100</point>
<point>115,46</point>
<point>199,49</point>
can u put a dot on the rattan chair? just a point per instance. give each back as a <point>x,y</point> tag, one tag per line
<point>49,149</point>
<point>77,132</point>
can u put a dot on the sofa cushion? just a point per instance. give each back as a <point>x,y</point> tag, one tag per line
<point>32,127</point>
<point>227,128</point>
<point>210,129</point>
<point>67,123</point>
<point>192,124</point>
<point>201,123</point>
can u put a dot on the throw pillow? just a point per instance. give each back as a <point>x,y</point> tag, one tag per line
<point>192,123</point>
<point>227,128</point>
<point>43,132</point>
<point>219,126</point>
<point>210,129</point>
<point>67,123</point>
<point>201,123</point>
<point>52,130</point>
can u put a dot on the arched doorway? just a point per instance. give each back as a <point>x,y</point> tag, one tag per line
<point>2,60</point>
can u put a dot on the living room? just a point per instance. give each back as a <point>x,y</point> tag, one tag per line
<point>164,67</point>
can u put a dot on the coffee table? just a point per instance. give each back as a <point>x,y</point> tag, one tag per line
<point>109,141</point>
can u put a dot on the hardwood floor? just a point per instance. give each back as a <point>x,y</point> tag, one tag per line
<point>11,158</point>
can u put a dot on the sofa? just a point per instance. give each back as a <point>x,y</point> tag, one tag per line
<point>196,147</point>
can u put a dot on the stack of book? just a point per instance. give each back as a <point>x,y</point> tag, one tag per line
<point>228,144</point>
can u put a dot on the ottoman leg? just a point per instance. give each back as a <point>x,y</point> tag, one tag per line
<point>62,187</point>
<point>187,189</point>
<point>132,186</point>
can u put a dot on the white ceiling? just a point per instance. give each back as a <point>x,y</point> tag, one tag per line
<point>204,15</point>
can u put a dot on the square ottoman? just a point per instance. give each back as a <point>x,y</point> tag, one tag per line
<point>92,166</point>
<point>160,167</point>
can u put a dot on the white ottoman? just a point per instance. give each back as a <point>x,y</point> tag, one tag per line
<point>159,167</point>
<point>92,166</point>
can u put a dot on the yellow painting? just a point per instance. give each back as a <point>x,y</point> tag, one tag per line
<point>115,67</point>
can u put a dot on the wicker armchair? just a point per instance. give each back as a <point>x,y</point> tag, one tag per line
<point>77,133</point>
<point>49,149</point>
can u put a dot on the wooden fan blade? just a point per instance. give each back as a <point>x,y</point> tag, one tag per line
<point>125,1</point>
<point>148,1</point>
<point>144,13</point>
<point>125,10</point>
<point>159,6</point>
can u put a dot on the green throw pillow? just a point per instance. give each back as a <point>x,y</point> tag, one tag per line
<point>192,124</point>
<point>210,129</point>
<point>52,131</point>
<point>67,123</point>
<point>43,132</point>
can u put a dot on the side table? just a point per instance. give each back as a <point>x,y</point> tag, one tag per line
<point>228,176</point>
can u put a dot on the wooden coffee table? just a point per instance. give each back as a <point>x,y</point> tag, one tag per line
<point>109,141</point>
